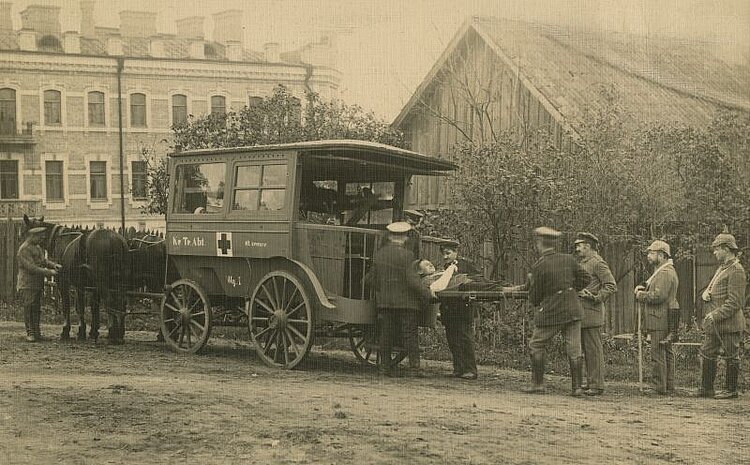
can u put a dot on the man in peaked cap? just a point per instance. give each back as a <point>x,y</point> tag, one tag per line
<point>399,296</point>
<point>724,299</point>
<point>593,297</point>
<point>33,267</point>
<point>457,316</point>
<point>554,283</point>
<point>659,298</point>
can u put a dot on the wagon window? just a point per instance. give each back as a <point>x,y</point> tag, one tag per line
<point>200,188</point>
<point>260,187</point>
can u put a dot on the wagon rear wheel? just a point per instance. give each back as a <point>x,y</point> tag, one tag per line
<point>185,317</point>
<point>281,320</point>
<point>363,341</point>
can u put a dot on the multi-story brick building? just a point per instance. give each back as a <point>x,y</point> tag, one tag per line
<point>60,93</point>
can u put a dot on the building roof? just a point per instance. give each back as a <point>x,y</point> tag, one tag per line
<point>666,80</point>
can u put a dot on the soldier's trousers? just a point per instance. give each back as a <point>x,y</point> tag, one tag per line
<point>458,320</point>
<point>662,358</point>
<point>398,321</point>
<point>542,335</point>
<point>593,352</point>
<point>714,342</point>
<point>31,299</point>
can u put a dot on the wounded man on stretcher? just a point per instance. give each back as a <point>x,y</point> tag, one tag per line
<point>449,280</point>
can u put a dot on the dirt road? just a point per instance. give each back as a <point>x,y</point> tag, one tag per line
<point>139,403</point>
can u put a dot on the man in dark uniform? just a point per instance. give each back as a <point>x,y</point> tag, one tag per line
<point>458,318</point>
<point>33,267</point>
<point>724,322</point>
<point>593,297</point>
<point>554,283</point>
<point>399,296</point>
<point>414,239</point>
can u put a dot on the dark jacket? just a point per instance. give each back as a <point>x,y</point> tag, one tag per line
<point>555,281</point>
<point>394,279</point>
<point>414,243</point>
<point>728,298</point>
<point>601,286</point>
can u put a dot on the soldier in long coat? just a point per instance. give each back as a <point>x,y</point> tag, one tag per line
<point>659,297</point>
<point>553,287</point>
<point>33,267</point>
<point>399,297</point>
<point>593,298</point>
<point>724,322</point>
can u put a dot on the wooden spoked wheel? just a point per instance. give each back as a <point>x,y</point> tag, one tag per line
<point>281,320</point>
<point>185,317</point>
<point>363,341</point>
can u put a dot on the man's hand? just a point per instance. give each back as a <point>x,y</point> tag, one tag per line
<point>639,288</point>
<point>58,267</point>
<point>586,294</point>
<point>51,272</point>
<point>708,319</point>
<point>640,295</point>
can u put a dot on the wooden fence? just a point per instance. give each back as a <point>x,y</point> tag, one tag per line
<point>10,234</point>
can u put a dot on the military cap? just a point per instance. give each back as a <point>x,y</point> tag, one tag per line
<point>659,246</point>
<point>547,232</point>
<point>413,213</point>
<point>586,237</point>
<point>37,230</point>
<point>725,239</point>
<point>399,227</point>
<point>449,244</point>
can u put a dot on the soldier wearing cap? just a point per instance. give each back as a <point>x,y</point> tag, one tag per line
<point>33,267</point>
<point>399,296</point>
<point>724,299</point>
<point>659,297</point>
<point>457,317</point>
<point>593,297</point>
<point>414,239</point>
<point>554,283</point>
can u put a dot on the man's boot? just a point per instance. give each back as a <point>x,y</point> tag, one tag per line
<point>37,315</point>
<point>537,375</point>
<point>576,376</point>
<point>707,378</point>
<point>28,321</point>
<point>673,325</point>
<point>730,388</point>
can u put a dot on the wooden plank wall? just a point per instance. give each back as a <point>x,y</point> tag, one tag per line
<point>10,233</point>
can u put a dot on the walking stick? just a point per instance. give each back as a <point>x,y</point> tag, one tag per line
<point>639,311</point>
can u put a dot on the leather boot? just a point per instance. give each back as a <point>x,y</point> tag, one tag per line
<point>537,375</point>
<point>707,378</point>
<point>730,388</point>
<point>576,376</point>
<point>37,315</point>
<point>673,325</point>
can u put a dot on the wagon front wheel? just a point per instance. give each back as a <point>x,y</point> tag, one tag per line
<point>280,319</point>
<point>185,317</point>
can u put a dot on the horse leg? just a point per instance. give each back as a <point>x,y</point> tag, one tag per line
<point>65,302</point>
<point>81,310</point>
<point>94,333</point>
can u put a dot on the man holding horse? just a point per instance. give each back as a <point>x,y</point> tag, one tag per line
<point>33,267</point>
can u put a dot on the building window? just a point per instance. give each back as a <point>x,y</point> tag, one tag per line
<point>209,51</point>
<point>179,109</point>
<point>138,173</point>
<point>260,187</point>
<point>255,102</point>
<point>218,105</point>
<point>50,43</point>
<point>7,111</point>
<point>8,179</point>
<point>52,107</point>
<point>54,181</point>
<point>98,175</point>
<point>138,110</point>
<point>96,108</point>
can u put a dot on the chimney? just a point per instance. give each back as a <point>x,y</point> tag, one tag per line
<point>271,52</point>
<point>190,28</point>
<point>27,40</point>
<point>197,49</point>
<point>71,42</point>
<point>6,20</point>
<point>114,45</point>
<point>234,50</point>
<point>41,18</point>
<point>137,23</point>
<point>228,26</point>
<point>87,18</point>
<point>156,48</point>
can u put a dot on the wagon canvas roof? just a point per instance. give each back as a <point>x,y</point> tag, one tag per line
<point>340,154</point>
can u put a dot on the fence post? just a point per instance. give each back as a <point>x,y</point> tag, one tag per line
<point>10,257</point>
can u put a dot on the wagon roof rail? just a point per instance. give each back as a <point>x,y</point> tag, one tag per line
<point>344,149</point>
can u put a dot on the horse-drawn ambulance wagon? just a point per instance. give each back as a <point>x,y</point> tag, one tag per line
<point>281,237</point>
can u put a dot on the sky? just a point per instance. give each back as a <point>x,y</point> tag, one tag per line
<point>386,47</point>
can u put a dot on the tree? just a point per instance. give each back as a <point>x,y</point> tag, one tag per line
<point>279,118</point>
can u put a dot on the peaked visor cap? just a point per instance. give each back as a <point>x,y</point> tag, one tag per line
<point>545,231</point>
<point>586,237</point>
<point>399,227</point>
